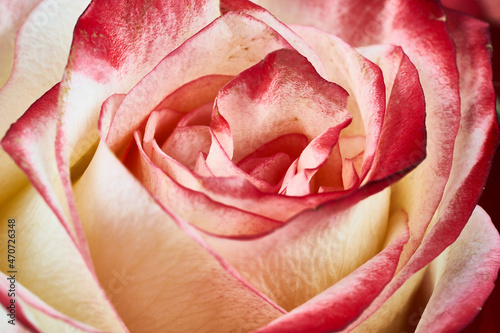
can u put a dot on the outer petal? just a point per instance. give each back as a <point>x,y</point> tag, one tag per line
<point>38,316</point>
<point>41,51</point>
<point>474,145</point>
<point>478,135</point>
<point>464,276</point>
<point>30,143</point>
<point>12,16</point>
<point>178,284</point>
<point>6,327</point>
<point>333,16</point>
<point>49,265</point>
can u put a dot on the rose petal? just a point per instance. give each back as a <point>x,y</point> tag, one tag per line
<point>201,167</point>
<point>195,93</point>
<point>334,16</point>
<point>174,279</point>
<point>267,97</point>
<point>403,138</point>
<point>18,328</point>
<point>108,110</point>
<point>314,156</point>
<point>291,37</point>
<point>222,166</point>
<point>38,316</point>
<point>292,144</point>
<point>237,41</point>
<point>328,178</point>
<point>12,17</point>
<point>186,143</point>
<point>111,53</point>
<point>350,177</point>
<point>395,313</point>
<point>191,205</point>
<point>48,30</point>
<point>351,146</point>
<point>332,309</point>
<point>104,58</point>
<point>476,139</point>
<point>227,191</point>
<point>464,276</point>
<point>161,124</point>
<point>401,70</point>
<point>41,52</point>
<point>404,117</point>
<point>30,143</point>
<point>363,81</point>
<point>311,253</point>
<point>272,169</point>
<point>49,265</point>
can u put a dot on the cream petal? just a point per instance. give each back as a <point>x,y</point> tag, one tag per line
<point>311,252</point>
<point>50,266</point>
<point>175,282</point>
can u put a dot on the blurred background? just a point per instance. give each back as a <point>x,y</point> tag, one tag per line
<point>488,320</point>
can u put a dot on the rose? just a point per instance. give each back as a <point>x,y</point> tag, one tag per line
<point>100,249</point>
<point>117,280</point>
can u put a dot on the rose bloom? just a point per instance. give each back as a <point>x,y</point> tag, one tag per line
<point>280,166</point>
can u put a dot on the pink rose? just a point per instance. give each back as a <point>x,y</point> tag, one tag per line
<point>196,166</point>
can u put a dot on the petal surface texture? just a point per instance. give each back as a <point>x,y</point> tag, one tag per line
<point>176,283</point>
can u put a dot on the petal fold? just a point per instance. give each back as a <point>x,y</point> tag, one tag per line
<point>464,276</point>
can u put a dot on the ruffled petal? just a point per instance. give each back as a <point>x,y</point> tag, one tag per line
<point>264,103</point>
